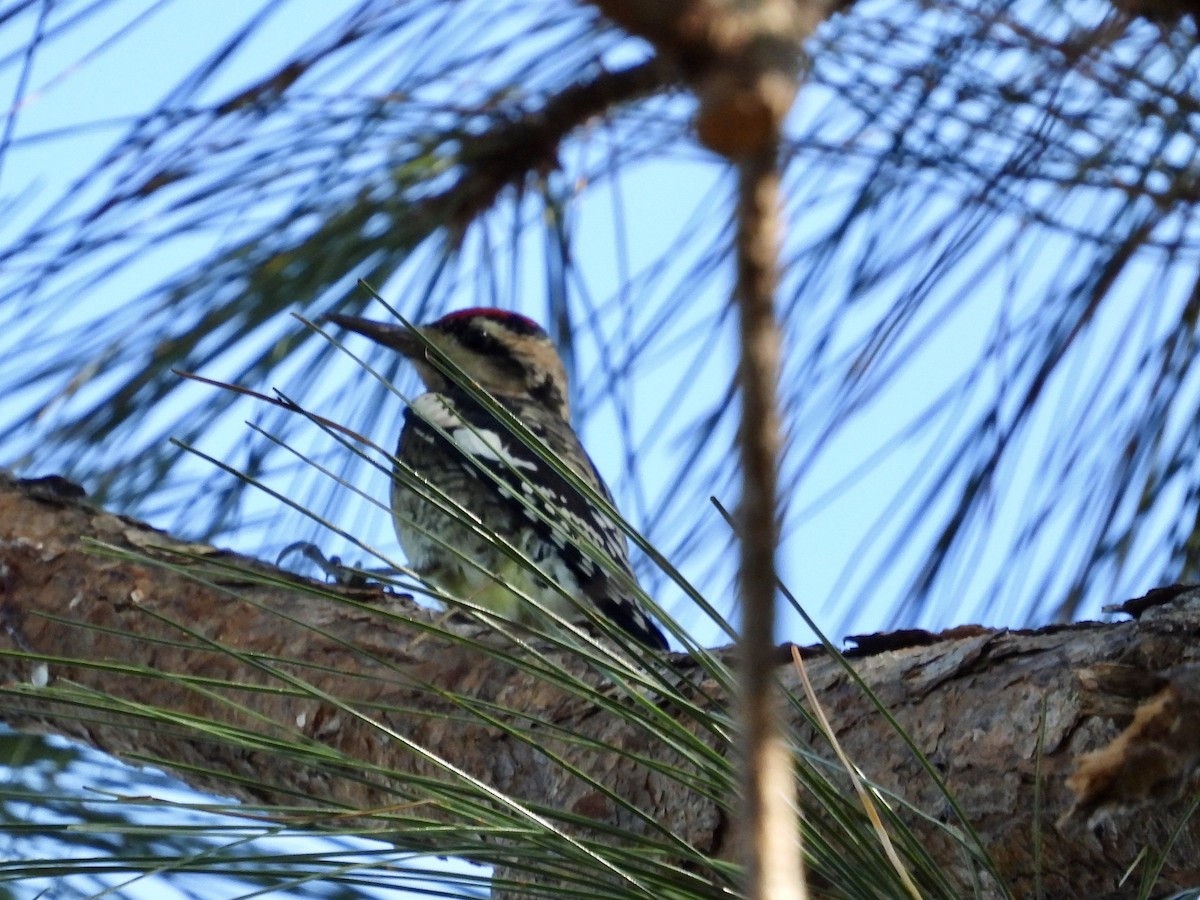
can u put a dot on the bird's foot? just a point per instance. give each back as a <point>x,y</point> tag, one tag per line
<point>335,570</point>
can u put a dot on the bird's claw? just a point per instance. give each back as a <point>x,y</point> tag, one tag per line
<point>333,567</point>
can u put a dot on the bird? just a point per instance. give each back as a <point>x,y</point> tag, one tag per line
<point>456,456</point>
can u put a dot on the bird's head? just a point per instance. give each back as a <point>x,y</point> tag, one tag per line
<point>503,352</point>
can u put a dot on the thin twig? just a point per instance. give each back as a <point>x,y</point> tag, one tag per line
<point>771,834</point>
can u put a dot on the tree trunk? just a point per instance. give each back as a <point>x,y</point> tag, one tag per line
<point>978,702</point>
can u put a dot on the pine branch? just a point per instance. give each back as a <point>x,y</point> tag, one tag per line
<point>79,626</point>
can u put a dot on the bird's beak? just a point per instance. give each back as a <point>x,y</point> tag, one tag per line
<point>389,334</point>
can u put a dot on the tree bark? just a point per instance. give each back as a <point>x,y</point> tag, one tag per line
<point>979,702</point>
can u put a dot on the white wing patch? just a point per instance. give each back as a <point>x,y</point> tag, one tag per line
<point>479,443</point>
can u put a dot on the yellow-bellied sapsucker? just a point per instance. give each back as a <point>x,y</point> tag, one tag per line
<point>456,445</point>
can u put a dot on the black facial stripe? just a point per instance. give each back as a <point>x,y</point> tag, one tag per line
<point>477,340</point>
<point>484,345</point>
<point>546,392</point>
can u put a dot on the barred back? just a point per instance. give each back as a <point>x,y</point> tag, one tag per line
<point>453,442</point>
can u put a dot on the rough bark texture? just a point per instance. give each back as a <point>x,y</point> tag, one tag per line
<point>977,703</point>
<point>101,615</point>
